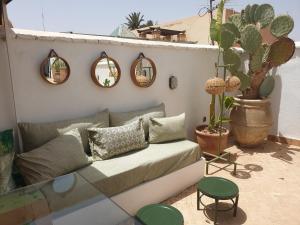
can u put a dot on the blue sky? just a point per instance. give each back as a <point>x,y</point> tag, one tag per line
<point>102,16</point>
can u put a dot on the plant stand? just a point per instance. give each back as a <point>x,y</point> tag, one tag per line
<point>220,157</point>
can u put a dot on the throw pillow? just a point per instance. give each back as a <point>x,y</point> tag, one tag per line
<point>6,159</point>
<point>122,118</point>
<point>59,156</point>
<point>167,129</point>
<point>35,135</point>
<point>108,142</point>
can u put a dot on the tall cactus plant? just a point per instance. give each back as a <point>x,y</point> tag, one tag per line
<point>244,30</point>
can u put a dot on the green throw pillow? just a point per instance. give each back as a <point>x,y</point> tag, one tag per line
<point>167,129</point>
<point>35,135</point>
<point>123,118</point>
<point>108,142</point>
<point>59,156</point>
<point>6,159</point>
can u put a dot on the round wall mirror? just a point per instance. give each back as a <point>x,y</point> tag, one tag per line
<point>55,69</point>
<point>105,71</point>
<point>143,71</point>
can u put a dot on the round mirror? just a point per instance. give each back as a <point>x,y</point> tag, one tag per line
<point>105,71</point>
<point>55,69</point>
<point>143,71</point>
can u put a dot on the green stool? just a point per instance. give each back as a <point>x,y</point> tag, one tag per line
<point>159,214</point>
<point>218,188</point>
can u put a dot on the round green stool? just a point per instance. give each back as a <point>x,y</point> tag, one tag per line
<point>159,214</point>
<point>218,188</point>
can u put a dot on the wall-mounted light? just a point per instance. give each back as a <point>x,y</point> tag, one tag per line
<point>173,82</point>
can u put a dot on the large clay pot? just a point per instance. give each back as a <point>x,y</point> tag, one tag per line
<point>251,121</point>
<point>210,142</point>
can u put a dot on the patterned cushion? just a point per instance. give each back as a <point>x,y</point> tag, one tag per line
<point>108,142</point>
<point>6,159</point>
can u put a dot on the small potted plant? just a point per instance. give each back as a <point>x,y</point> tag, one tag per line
<point>213,138</point>
<point>251,117</point>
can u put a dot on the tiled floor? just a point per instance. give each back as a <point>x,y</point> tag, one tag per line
<point>269,181</point>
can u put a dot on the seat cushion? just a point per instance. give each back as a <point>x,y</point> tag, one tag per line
<point>118,174</point>
<point>122,118</point>
<point>59,156</point>
<point>35,135</point>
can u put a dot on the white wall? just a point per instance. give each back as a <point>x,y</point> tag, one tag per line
<point>38,101</point>
<point>286,98</point>
<point>7,116</point>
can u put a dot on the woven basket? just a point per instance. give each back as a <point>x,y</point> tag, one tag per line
<point>232,83</point>
<point>215,86</point>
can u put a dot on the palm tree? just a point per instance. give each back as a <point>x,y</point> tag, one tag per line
<point>134,20</point>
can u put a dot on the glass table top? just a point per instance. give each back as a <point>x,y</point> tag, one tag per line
<point>65,200</point>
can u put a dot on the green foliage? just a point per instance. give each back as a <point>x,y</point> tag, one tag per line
<point>236,19</point>
<point>232,28</point>
<point>252,13</point>
<point>245,80</point>
<point>256,61</point>
<point>134,20</point>
<point>280,51</point>
<point>228,102</point>
<point>246,14</point>
<point>245,27</point>
<point>227,39</point>
<point>264,14</point>
<point>106,82</point>
<point>250,39</point>
<point>215,25</point>
<point>6,142</point>
<point>282,25</point>
<point>267,87</point>
<point>232,58</point>
<point>214,31</point>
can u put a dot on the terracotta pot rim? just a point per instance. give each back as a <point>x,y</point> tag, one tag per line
<point>199,129</point>
<point>241,100</point>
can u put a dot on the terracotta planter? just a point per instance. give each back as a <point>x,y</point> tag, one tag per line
<point>251,121</point>
<point>210,142</point>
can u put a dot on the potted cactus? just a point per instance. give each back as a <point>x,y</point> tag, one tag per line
<point>213,138</point>
<point>251,117</point>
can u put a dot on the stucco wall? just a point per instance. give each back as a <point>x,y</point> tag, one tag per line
<point>7,116</point>
<point>38,101</point>
<point>286,98</point>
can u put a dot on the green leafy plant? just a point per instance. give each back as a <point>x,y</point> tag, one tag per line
<point>244,29</point>
<point>6,142</point>
<point>134,20</point>
<point>224,35</point>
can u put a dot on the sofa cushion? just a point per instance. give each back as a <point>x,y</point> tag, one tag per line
<point>119,174</point>
<point>108,142</point>
<point>122,118</point>
<point>35,135</point>
<point>59,156</point>
<point>167,129</point>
